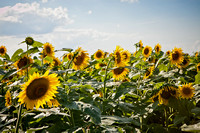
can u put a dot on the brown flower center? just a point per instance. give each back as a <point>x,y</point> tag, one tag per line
<point>185,62</point>
<point>98,54</point>
<point>165,94</point>
<point>186,90</point>
<point>118,71</point>
<point>48,50</point>
<point>2,50</point>
<point>118,56</point>
<point>157,49</point>
<point>37,88</point>
<point>175,56</point>
<point>125,55</point>
<point>79,59</point>
<point>146,51</point>
<point>23,62</point>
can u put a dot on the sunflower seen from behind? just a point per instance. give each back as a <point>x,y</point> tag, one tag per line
<point>3,50</point>
<point>81,60</point>
<point>48,49</point>
<point>140,44</point>
<point>176,56</point>
<point>99,54</point>
<point>120,73</point>
<point>38,90</point>
<point>8,99</point>
<point>186,91</point>
<point>146,51</point>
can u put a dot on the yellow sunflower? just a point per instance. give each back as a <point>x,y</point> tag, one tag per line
<point>185,63</point>
<point>157,48</point>
<point>81,60</point>
<point>56,61</point>
<point>164,95</point>
<point>119,58</point>
<point>196,54</point>
<point>147,51</point>
<point>168,52</point>
<point>8,99</point>
<point>176,56</point>
<point>48,49</point>
<point>140,44</point>
<point>106,54</point>
<point>135,53</point>
<point>127,55</point>
<point>38,90</point>
<point>53,102</point>
<point>3,50</point>
<point>154,97</point>
<point>22,62</point>
<point>99,54</point>
<point>148,72</point>
<point>198,67</point>
<point>120,73</point>
<point>100,65</point>
<point>173,91</point>
<point>186,91</point>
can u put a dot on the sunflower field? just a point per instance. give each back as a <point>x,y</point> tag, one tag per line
<point>142,91</point>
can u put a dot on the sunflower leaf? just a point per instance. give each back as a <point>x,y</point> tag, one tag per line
<point>37,44</point>
<point>15,56</point>
<point>197,78</point>
<point>64,49</point>
<point>8,74</point>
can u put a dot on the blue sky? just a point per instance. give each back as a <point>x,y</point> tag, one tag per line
<point>101,24</point>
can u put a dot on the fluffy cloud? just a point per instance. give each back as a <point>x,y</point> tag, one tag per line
<point>131,1</point>
<point>17,12</point>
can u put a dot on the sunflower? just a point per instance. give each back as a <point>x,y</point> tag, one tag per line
<point>106,54</point>
<point>196,54</point>
<point>81,60</point>
<point>164,95</point>
<point>8,99</point>
<point>99,54</point>
<point>173,91</point>
<point>186,91</point>
<point>176,56</point>
<point>148,72</point>
<point>56,61</point>
<point>119,58</point>
<point>22,62</point>
<point>53,102</point>
<point>147,51</point>
<point>135,53</point>
<point>29,40</point>
<point>120,73</point>
<point>157,48</point>
<point>140,44</point>
<point>38,90</point>
<point>154,97</point>
<point>185,63</point>
<point>3,50</point>
<point>100,65</point>
<point>70,56</point>
<point>48,49</point>
<point>198,67</point>
<point>127,55</point>
<point>168,52</point>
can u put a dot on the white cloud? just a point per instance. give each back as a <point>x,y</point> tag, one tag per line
<point>17,12</point>
<point>44,1</point>
<point>90,12</point>
<point>131,1</point>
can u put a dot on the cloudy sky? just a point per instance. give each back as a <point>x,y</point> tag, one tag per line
<point>101,24</point>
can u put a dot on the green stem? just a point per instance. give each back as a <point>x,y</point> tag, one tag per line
<point>19,118</point>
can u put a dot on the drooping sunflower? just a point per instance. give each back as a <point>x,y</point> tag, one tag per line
<point>48,49</point>
<point>168,53</point>
<point>69,56</point>
<point>148,72</point>
<point>176,56</point>
<point>81,60</point>
<point>3,50</point>
<point>154,97</point>
<point>38,90</point>
<point>140,44</point>
<point>198,67</point>
<point>120,73</point>
<point>22,62</point>
<point>186,91</point>
<point>157,48</point>
<point>99,54</point>
<point>8,99</point>
<point>53,102</point>
<point>127,55</point>
<point>164,95</point>
<point>185,63</point>
<point>173,91</point>
<point>119,58</point>
<point>146,51</point>
<point>56,61</point>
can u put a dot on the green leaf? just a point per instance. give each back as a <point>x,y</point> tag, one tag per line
<point>9,73</point>
<point>197,78</point>
<point>37,44</point>
<point>179,119</point>
<point>15,56</point>
<point>162,67</point>
<point>64,49</point>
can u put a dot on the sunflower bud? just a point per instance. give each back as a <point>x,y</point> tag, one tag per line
<point>29,40</point>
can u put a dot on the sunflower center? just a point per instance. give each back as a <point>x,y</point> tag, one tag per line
<point>118,57</point>
<point>175,56</point>
<point>8,100</point>
<point>125,55</point>
<point>147,73</point>
<point>198,67</point>
<point>102,64</point>
<point>184,62</point>
<point>165,94</point>
<point>79,59</point>
<point>22,62</point>
<point>157,49</point>
<point>48,50</point>
<point>55,62</point>
<point>118,71</point>
<point>37,88</point>
<point>2,50</point>
<point>186,90</point>
<point>146,51</point>
<point>69,56</point>
<point>98,54</point>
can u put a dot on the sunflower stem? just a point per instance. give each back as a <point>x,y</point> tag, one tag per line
<point>19,118</point>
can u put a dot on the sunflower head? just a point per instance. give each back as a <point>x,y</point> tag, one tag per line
<point>120,73</point>
<point>148,72</point>
<point>38,90</point>
<point>154,97</point>
<point>81,60</point>
<point>8,99</point>
<point>176,56</point>
<point>173,91</point>
<point>99,54</point>
<point>119,57</point>
<point>140,44</point>
<point>127,55</point>
<point>185,63</point>
<point>48,49</point>
<point>157,48</point>
<point>56,61</point>
<point>100,65</point>
<point>198,67</point>
<point>168,52</point>
<point>147,51</point>
<point>186,91</point>
<point>164,96</point>
<point>3,50</point>
<point>53,102</point>
<point>29,41</point>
